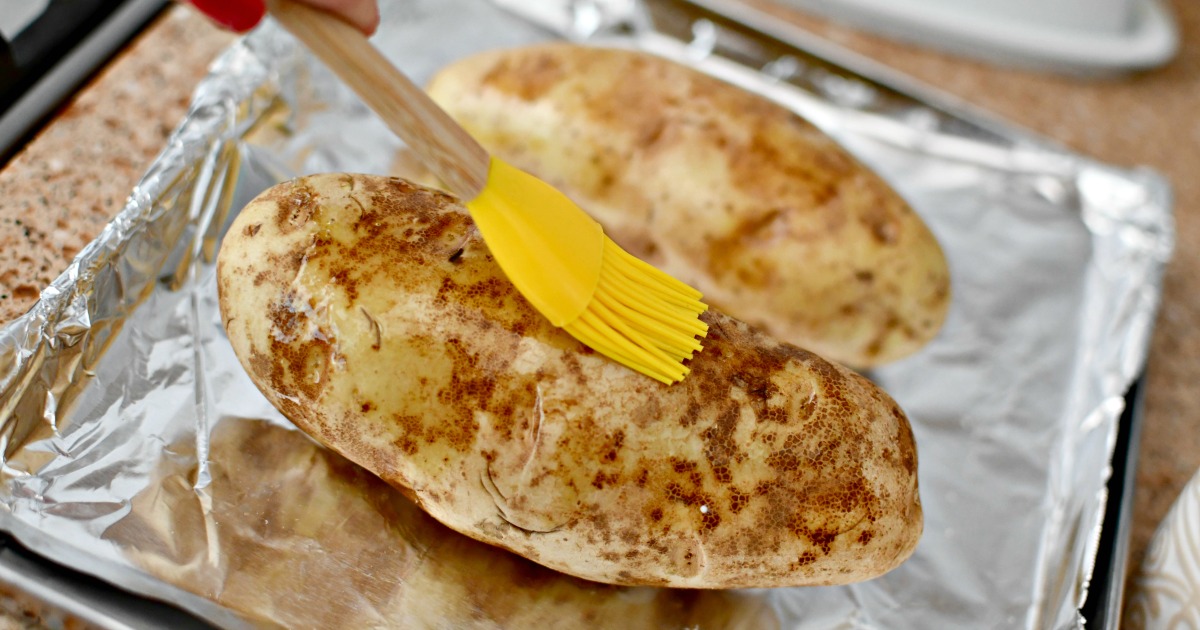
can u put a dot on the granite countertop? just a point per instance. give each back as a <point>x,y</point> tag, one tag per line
<point>57,194</point>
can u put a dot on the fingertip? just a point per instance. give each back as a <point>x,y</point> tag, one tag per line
<point>372,24</point>
<point>240,16</point>
<point>365,15</point>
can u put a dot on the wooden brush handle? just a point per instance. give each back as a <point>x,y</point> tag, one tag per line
<point>443,145</point>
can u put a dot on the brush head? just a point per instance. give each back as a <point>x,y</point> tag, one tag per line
<point>560,260</point>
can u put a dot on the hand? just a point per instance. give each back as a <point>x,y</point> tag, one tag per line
<point>243,15</point>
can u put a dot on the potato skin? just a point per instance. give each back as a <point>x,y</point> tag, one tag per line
<point>736,195</point>
<point>369,311</point>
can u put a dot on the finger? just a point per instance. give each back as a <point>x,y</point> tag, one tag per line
<point>362,14</point>
<point>236,15</point>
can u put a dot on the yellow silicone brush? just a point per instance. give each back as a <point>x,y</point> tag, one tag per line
<point>553,252</point>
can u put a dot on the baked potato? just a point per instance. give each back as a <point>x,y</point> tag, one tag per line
<point>739,197</point>
<point>370,312</point>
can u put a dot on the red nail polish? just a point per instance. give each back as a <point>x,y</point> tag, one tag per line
<point>236,15</point>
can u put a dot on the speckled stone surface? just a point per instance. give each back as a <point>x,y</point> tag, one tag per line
<point>58,193</point>
<point>76,175</point>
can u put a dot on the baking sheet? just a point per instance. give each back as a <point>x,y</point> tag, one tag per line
<point>135,448</point>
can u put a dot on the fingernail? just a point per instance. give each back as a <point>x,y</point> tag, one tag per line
<point>236,15</point>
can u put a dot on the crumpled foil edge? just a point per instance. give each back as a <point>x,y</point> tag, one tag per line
<point>50,350</point>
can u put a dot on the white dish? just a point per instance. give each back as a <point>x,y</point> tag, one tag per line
<point>1165,593</point>
<point>1149,38</point>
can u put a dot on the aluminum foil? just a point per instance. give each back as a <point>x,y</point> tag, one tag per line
<point>136,449</point>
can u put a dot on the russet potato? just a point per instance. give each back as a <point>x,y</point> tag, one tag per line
<point>370,312</point>
<point>739,197</point>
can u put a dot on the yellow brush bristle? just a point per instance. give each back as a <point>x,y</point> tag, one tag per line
<point>560,260</point>
<point>642,317</point>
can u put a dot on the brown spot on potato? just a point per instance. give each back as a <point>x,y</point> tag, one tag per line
<point>295,206</point>
<point>343,278</point>
<point>882,225</point>
<point>686,558</point>
<point>527,78</point>
<point>614,446</point>
<point>412,429</point>
<point>308,367</point>
<point>720,449</point>
<point>821,537</point>
<point>723,474</point>
<point>601,480</point>
<point>263,367</point>
<point>738,500</point>
<point>650,133</point>
<point>286,316</point>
